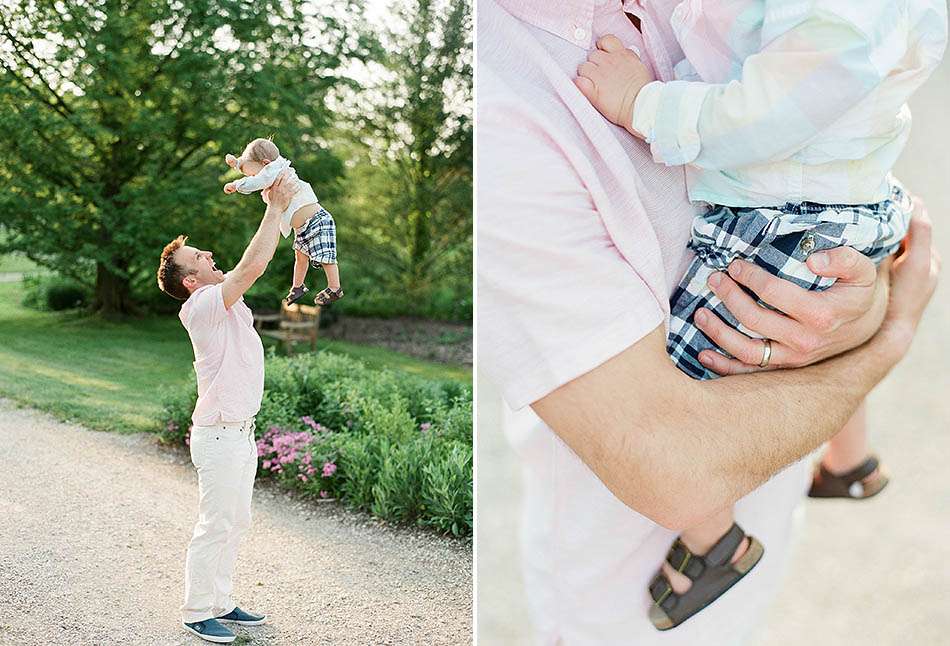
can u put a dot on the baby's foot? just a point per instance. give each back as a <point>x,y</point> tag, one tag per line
<point>328,296</point>
<point>680,582</point>
<point>863,481</point>
<point>708,576</point>
<point>611,79</point>
<point>295,294</point>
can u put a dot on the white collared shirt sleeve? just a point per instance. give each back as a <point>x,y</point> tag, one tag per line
<point>263,179</point>
<point>799,84</point>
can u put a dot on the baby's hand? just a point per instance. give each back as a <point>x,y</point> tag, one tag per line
<point>231,160</point>
<point>611,79</point>
<point>230,188</point>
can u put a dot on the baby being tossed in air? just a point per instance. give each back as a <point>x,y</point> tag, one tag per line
<point>789,117</point>
<point>313,226</point>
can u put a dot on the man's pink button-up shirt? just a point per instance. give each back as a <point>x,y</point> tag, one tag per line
<point>581,239</point>
<point>229,357</point>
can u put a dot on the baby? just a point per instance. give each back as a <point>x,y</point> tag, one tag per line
<point>789,117</point>
<point>314,228</point>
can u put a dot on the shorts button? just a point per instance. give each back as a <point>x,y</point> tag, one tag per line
<point>807,243</point>
<point>580,34</point>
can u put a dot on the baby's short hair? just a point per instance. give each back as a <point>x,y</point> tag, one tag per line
<point>261,149</point>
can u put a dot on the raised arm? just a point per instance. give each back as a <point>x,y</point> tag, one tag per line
<point>262,246</point>
<point>820,61</point>
<point>795,87</point>
<point>678,450</point>
<point>254,183</point>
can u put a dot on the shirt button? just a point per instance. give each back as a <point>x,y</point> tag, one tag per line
<point>807,243</point>
<point>580,35</point>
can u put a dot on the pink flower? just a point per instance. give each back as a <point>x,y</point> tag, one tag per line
<point>309,421</point>
<point>302,477</point>
<point>324,494</point>
<point>425,426</point>
<point>267,464</point>
<point>328,469</point>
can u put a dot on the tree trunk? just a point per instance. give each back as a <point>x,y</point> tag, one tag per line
<point>113,295</point>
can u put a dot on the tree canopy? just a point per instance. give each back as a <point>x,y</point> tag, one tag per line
<point>117,114</point>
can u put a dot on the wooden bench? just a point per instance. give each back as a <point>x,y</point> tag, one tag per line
<point>295,323</point>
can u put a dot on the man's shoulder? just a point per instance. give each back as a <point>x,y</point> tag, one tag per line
<point>202,304</point>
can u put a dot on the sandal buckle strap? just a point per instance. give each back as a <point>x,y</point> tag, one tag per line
<point>723,550</point>
<point>678,556</point>
<point>662,593</point>
<point>861,472</point>
<point>685,562</point>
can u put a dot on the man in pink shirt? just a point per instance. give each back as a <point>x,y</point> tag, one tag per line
<point>581,240</point>
<point>229,364</point>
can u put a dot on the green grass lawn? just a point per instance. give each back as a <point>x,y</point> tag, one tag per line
<point>16,263</point>
<point>110,375</point>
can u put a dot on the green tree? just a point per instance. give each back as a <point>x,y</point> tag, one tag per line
<point>115,115</point>
<point>413,200</point>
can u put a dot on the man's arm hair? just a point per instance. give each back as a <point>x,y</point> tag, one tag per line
<point>677,450</point>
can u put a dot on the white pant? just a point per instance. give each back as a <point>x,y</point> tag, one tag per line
<point>225,457</point>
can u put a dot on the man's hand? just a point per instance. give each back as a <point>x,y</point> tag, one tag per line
<point>279,194</point>
<point>611,79</point>
<point>230,188</point>
<point>632,419</point>
<point>230,160</point>
<point>913,281</point>
<point>814,325</point>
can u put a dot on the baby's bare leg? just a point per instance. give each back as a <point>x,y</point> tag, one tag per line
<point>333,275</point>
<point>849,448</point>
<point>301,264</point>
<point>700,539</point>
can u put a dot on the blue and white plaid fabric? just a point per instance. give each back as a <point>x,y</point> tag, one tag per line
<point>317,239</point>
<point>778,239</point>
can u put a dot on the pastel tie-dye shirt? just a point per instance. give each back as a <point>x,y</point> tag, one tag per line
<point>789,101</point>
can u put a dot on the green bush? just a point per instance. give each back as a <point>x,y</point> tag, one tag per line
<point>447,490</point>
<point>394,444</point>
<point>53,292</point>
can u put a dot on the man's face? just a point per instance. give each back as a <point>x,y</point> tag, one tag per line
<point>201,267</point>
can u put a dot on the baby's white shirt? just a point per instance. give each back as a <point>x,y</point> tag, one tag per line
<point>266,177</point>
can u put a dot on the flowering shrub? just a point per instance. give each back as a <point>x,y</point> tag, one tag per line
<point>394,444</point>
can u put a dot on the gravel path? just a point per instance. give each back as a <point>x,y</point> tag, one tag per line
<point>93,532</point>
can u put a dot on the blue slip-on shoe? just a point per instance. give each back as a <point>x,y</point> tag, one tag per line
<point>238,616</point>
<point>211,631</point>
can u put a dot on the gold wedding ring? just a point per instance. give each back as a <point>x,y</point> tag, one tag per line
<point>766,353</point>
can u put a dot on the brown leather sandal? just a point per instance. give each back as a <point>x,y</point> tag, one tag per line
<point>327,296</point>
<point>295,294</point>
<point>711,574</point>
<point>854,484</point>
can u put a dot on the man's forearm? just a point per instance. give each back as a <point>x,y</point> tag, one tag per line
<point>761,423</point>
<point>264,243</point>
<point>678,450</point>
